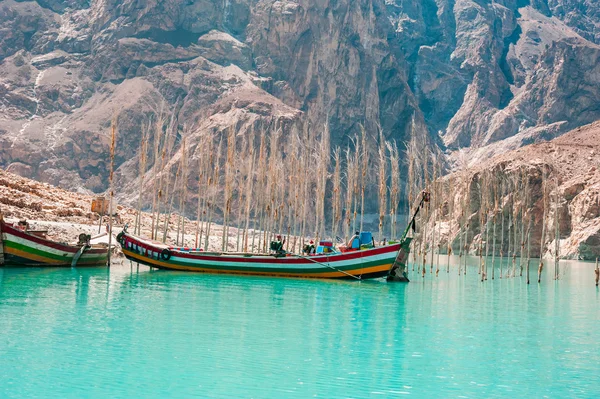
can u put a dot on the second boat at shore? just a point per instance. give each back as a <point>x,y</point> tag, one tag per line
<point>21,247</point>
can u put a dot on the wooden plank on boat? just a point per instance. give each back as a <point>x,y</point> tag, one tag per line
<point>78,255</point>
<point>398,271</point>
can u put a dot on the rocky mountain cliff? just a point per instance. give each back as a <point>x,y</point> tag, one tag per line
<point>554,184</point>
<point>473,73</point>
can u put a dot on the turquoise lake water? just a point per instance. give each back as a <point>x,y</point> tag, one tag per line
<point>128,332</point>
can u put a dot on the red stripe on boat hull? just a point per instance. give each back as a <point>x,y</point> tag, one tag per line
<point>38,240</point>
<point>263,258</point>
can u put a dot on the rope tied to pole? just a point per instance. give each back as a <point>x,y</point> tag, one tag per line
<point>326,265</point>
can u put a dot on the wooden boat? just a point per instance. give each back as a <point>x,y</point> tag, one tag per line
<point>385,261</point>
<point>361,265</point>
<point>19,247</point>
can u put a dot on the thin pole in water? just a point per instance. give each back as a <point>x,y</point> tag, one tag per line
<point>487,231</point>
<point>524,185</point>
<point>467,247</point>
<point>451,215</point>
<point>183,199</point>
<point>556,237</point>
<point>142,165</point>
<point>544,216</point>
<point>110,183</point>
<point>363,183</point>
<point>528,248</point>
<point>529,216</point>
<point>495,188</point>
<point>501,240</point>
<point>467,221</point>
<point>516,230</point>
<point>502,228</point>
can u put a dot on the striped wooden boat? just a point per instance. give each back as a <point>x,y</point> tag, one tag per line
<point>386,261</point>
<point>19,248</point>
<point>365,264</point>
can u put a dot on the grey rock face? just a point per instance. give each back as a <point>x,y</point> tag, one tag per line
<point>482,71</point>
<point>336,59</point>
<point>568,168</point>
<point>69,68</point>
<point>475,73</point>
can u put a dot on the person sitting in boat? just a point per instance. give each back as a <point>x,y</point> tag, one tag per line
<point>309,248</point>
<point>277,245</point>
<point>354,242</point>
<point>23,225</point>
<point>359,241</point>
<point>84,239</point>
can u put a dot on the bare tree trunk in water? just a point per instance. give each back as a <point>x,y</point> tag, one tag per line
<point>364,165</point>
<point>382,186</point>
<point>502,234</point>
<point>545,215</point>
<point>528,247</point>
<point>556,235</point>
<point>143,156</point>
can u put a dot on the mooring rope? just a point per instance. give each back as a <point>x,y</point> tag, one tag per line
<point>326,265</point>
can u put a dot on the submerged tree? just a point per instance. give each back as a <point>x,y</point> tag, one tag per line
<point>382,186</point>
<point>394,187</point>
<point>337,192</point>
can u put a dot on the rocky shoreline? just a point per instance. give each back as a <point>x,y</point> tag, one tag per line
<point>65,214</point>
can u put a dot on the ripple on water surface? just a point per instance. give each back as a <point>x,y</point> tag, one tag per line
<point>129,332</point>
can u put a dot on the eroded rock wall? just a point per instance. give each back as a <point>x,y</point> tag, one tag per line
<point>567,168</point>
<point>486,71</point>
<point>69,68</point>
<point>478,74</point>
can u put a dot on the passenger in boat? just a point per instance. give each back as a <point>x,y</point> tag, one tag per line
<point>354,242</point>
<point>22,225</point>
<point>277,245</point>
<point>84,239</point>
<point>309,248</point>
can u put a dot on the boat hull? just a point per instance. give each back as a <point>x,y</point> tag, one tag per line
<point>367,264</point>
<point>20,249</point>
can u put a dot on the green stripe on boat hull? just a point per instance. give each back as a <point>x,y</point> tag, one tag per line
<point>374,269</point>
<point>67,257</point>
